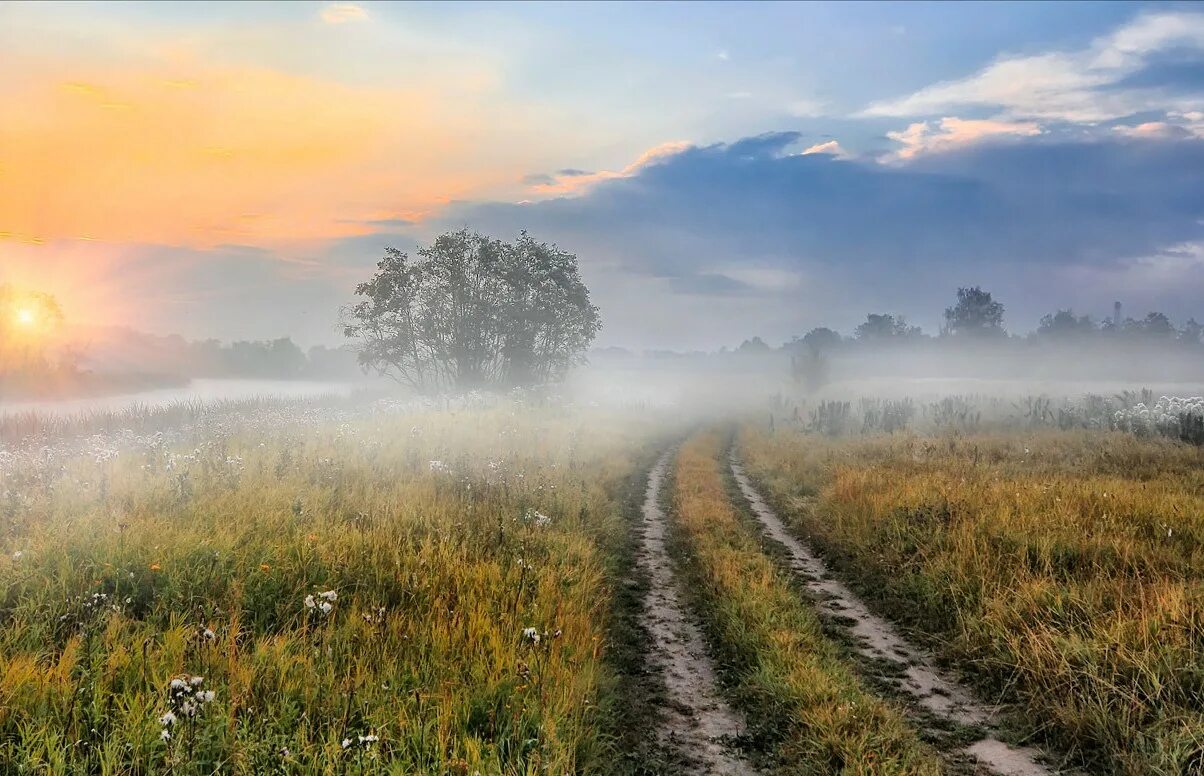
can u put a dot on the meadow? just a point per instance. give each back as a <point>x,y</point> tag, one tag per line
<point>1060,570</point>
<point>289,588</point>
<point>362,584</point>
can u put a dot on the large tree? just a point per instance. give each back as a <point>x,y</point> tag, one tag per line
<point>975,314</point>
<point>473,312</point>
<point>885,327</point>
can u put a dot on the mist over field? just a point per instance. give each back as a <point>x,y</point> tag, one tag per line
<point>498,389</point>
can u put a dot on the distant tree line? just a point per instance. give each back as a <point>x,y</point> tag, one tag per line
<point>977,317</point>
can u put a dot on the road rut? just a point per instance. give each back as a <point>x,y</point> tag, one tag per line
<point>930,687</point>
<point>697,723</point>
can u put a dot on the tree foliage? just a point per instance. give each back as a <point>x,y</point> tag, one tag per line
<point>473,312</point>
<point>975,314</point>
<point>885,327</point>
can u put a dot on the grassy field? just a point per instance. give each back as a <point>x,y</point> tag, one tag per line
<point>811,714</point>
<point>425,593</point>
<point>1064,571</point>
<point>344,586</point>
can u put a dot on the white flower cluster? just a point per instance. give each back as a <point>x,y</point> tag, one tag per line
<point>186,699</point>
<point>537,518</point>
<point>322,603</point>
<point>361,742</point>
<point>533,637</point>
<point>1167,417</point>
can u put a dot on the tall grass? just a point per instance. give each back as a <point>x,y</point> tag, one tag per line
<point>808,709</point>
<point>445,537</point>
<point>1063,570</point>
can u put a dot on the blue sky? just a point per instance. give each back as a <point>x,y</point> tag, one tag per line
<point>722,170</point>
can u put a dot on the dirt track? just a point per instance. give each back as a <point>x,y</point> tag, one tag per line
<point>697,723</point>
<point>931,688</point>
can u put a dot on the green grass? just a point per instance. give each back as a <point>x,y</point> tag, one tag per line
<point>1064,571</point>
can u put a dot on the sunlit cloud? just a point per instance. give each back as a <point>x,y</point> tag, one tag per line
<point>341,13</point>
<point>831,147</point>
<point>1082,86</point>
<point>574,181</point>
<point>198,154</point>
<point>951,132</point>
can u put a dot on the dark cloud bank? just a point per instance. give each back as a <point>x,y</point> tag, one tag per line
<point>1049,222</point>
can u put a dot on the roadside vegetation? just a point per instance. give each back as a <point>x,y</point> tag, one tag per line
<point>808,712</point>
<point>1064,571</point>
<point>404,592</point>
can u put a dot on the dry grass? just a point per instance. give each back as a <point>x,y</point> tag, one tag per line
<point>438,571</point>
<point>1064,571</point>
<point>807,707</point>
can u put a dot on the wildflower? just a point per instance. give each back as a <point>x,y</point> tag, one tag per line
<point>165,734</point>
<point>531,635</point>
<point>168,719</point>
<point>206,634</point>
<point>346,743</point>
<point>17,555</point>
<point>322,602</point>
<point>154,567</point>
<point>537,518</point>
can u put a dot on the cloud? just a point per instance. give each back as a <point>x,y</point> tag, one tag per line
<point>1089,85</point>
<point>342,13</point>
<point>1152,129</point>
<point>569,181</point>
<point>759,233</point>
<point>921,137</point>
<point>831,147</point>
<point>181,150</point>
<point>539,179</point>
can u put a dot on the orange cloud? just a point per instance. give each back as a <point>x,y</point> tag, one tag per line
<point>202,155</point>
<point>573,184</point>
<point>341,13</point>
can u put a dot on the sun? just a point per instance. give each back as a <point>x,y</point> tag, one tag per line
<point>26,317</point>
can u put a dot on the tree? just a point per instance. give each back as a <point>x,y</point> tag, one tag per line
<point>1065,324</point>
<point>885,326</point>
<point>821,340</point>
<point>473,312</point>
<point>975,314</point>
<point>753,346</point>
<point>1191,333</point>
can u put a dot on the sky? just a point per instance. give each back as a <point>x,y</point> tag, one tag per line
<point>721,170</point>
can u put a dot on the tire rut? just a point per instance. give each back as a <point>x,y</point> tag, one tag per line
<point>932,689</point>
<point>697,724</point>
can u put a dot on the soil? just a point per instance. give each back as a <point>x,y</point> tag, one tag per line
<point>697,724</point>
<point>911,670</point>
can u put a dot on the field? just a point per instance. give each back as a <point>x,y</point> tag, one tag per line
<point>471,586</point>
